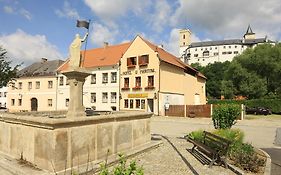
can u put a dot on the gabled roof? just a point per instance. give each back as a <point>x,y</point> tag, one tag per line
<point>43,68</point>
<point>171,59</point>
<point>99,57</point>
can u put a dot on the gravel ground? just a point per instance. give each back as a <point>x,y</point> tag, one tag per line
<point>172,158</point>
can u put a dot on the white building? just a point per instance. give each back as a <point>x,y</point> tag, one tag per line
<point>3,96</point>
<point>101,89</point>
<point>216,51</point>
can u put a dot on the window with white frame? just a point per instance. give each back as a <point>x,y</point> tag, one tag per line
<point>113,97</point>
<point>104,77</point>
<point>93,97</point>
<point>37,84</point>
<point>113,77</point>
<point>50,102</point>
<point>93,79</point>
<point>104,97</point>
<point>50,84</point>
<point>20,85</point>
<point>67,102</point>
<point>29,85</point>
<point>61,81</point>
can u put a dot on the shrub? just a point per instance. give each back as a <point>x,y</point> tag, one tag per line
<point>196,135</point>
<point>273,104</point>
<point>224,116</point>
<point>122,169</point>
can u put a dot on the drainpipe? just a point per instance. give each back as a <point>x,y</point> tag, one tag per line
<point>158,84</point>
<point>56,91</point>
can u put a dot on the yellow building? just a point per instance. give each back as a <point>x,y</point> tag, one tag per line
<point>152,79</point>
<point>35,89</point>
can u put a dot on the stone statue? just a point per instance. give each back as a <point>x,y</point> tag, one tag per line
<point>74,50</point>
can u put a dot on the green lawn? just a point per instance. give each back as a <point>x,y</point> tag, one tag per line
<point>252,117</point>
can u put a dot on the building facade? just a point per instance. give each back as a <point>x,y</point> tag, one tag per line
<point>101,89</point>
<point>152,79</point>
<point>35,89</point>
<point>216,51</point>
<point>3,97</point>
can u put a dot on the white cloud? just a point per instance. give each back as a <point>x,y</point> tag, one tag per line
<point>25,13</point>
<point>110,10</point>
<point>8,9</point>
<point>101,34</point>
<point>173,44</point>
<point>26,48</point>
<point>229,19</point>
<point>160,16</point>
<point>67,11</point>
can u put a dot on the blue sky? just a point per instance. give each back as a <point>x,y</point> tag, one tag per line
<point>34,29</point>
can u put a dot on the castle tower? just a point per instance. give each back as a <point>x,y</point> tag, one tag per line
<point>249,33</point>
<point>184,41</point>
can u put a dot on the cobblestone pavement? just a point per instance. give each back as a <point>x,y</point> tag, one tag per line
<point>172,158</point>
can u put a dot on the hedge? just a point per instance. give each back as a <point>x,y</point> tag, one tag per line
<point>273,104</point>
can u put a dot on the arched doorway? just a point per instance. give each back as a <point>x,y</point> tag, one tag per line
<point>34,104</point>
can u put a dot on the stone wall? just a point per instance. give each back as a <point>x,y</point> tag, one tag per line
<point>56,144</point>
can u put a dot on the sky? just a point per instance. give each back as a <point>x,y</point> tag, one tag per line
<point>34,29</point>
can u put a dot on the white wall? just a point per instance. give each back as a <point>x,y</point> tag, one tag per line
<point>3,99</point>
<point>98,88</point>
<point>172,99</point>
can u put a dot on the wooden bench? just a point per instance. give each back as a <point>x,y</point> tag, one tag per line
<point>213,146</point>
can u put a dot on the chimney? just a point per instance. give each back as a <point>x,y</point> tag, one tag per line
<point>161,46</point>
<point>43,60</point>
<point>105,44</point>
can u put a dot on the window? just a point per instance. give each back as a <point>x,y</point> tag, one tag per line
<point>67,102</point>
<point>138,104</point>
<point>235,47</point>
<point>196,49</point>
<point>5,94</point>
<point>20,102</point>
<point>104,77</point>
<point>37,84</point>
<point>143,60</point>
<point>229,47</point>
<point>195,55</point>
<point>61,81</point>
<point>142,104</point>
<point>126,103</point>
<point>235,52</point>
<point>66,81</point>
<point>29,85</point>
<point>150,81</point>
<point>131,62</point>
<point>113,97</point>
<point>50,102</point>
<point>224,53</point>
<point>216,53</point>
<point>210,48</point>
<point>183,43</point>
<point>131,104</point>
<point>229,52</point>
<point>12,102</point>
<point>20,85</point>
<point>50,84</point>
<point>183,36</point>
<point>0,94</point>
<point>104,97</point>
<point>93,97</point>
<point>93,79</point>
<point>205,53</point>
<point>113,77</point>
<point>113,108</point>
<point>201,48</point>
<point>216,48</point>
<point>126,82</point>
<point>224,47</point>
<point>138,82</point>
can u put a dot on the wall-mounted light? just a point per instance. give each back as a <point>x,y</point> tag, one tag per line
<point>155,95</point>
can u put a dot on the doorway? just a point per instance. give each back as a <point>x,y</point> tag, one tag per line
<point>34,104</point>
<point>150,105</point>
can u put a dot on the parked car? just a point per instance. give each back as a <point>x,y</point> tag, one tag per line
<point>258,111</point>
<point>90,112</point>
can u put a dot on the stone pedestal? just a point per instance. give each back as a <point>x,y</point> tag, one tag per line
<point>76,80</point>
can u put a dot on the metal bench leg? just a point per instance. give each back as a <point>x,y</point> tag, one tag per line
<point>213,161</point>
<point>192,149</point>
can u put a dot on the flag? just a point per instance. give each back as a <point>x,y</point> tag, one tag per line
<point>83,24</point>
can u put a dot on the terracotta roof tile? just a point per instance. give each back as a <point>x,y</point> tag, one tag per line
<point>98,57</point>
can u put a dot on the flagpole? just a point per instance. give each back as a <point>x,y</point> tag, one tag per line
<point>86,44</point>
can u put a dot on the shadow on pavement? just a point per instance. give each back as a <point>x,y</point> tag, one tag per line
<point>275,155</point>
<point>182,157</point>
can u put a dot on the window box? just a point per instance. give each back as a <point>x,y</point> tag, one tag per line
<point>143,64</point>
<point>149,88</point>
<point>125,88</point>
<point>131,66</point>
<point>137,88</point>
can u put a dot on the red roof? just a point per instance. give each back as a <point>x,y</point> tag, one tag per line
<point>98,57</point>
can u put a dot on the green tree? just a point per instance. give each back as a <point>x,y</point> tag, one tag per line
<point>6,71</point>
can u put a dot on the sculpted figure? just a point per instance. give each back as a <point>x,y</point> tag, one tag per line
<point>74,50</point>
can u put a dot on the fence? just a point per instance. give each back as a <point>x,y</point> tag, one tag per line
<point>198,111</point>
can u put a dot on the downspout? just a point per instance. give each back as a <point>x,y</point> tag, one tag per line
<point>158,84</point>
<point>119,82</point>
<point>56,91</point>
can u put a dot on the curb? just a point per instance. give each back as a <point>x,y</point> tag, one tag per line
<point>267,170</point>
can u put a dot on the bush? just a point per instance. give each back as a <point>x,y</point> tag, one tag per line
<point>240,154</point>
<point>121,168</point>
<point>273,104</point>
<point>224,116</point>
